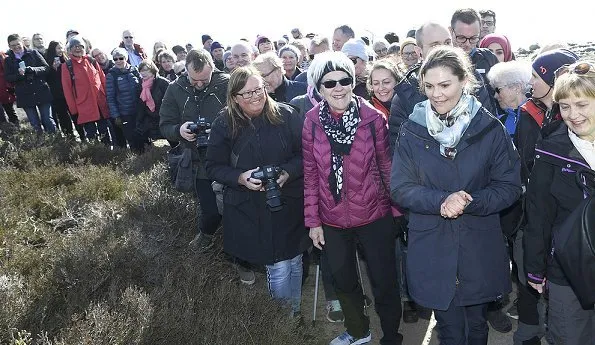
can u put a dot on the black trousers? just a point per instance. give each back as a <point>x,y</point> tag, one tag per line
<point>8,108</point>
<point>208,214</point>
<point>62,117</point>
<point>377,240</point>
<point>462,325</point>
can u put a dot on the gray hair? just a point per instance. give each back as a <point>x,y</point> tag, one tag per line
<point>379,42</point>
<point>318,41</point>
<point>120,52</point>
<point>292,48</point>
<point>394,48</point>
<point>510,73</point>
<point>326,62</point>
<point>269,57</point>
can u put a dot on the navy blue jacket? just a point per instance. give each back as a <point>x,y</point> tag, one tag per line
<point>467,253</point>
<point>31,89</point>
<point>407,95</point>
<point>288,90</point>
<point>123,90</point>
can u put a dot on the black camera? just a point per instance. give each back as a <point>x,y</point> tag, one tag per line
<point>200,127</point>
<point>268,175</point>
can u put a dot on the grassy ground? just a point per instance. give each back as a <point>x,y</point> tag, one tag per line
<point>93,250</point>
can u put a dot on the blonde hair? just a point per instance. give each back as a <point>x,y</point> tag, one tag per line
<point>387,65</point>
<point>236,117</point>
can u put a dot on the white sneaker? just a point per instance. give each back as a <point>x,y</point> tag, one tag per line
<point>346,339</point>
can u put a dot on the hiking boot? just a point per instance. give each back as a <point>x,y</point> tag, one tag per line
<point>513,312</point>
<point>334,313</point>
<point>201,242</point>
<point>410,312</point>
<point>346,339</point>
<point>246,275</point>
<point>499,321</point>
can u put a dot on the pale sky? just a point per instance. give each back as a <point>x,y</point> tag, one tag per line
<point>102,22</point>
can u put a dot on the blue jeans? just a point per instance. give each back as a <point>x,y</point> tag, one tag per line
<point>101,127</point>
<point>285,281</point>
<point>46,118</point>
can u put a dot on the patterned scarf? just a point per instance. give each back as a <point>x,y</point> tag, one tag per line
<point>340,134</point>
<point>449,128</point>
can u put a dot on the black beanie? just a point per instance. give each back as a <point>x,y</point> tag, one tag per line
<point>205,38</point>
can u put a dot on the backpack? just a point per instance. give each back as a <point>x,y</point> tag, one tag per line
<point>574,243</point>
<point>71,71</point>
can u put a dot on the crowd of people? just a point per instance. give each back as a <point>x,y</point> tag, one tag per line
<point>439,160</point>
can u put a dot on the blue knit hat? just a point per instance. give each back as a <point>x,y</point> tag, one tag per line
<point>216,45</point>
<point>546,64</point>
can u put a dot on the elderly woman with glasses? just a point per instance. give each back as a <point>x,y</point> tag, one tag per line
<point>347,202</point>
<point>567,148</point>
<point>123,87</point>
<point>255,150</point>
<point>455,169</point>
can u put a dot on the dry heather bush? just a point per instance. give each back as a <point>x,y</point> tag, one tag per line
<point>97,254</point>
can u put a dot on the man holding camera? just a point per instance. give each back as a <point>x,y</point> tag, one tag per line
<point>190,105</point>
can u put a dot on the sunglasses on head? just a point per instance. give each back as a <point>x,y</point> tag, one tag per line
<point>580,68</point>
<point>329,84</point>
<point>119,58</point>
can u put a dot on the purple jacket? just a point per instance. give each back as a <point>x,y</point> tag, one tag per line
<point>365,196</point>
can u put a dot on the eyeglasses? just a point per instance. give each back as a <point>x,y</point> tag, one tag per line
<point>121,58</point>
<point>264,75</point>
<point>462,39</point>
<point>128,37</point>
<point>580,68</point>
<point>410,54</point>
<point>498,89</point>
<point>249,94</point>
<point>381,51</point>
<point>353,59</point>
<point>487,23</point>
<point>329,84</point>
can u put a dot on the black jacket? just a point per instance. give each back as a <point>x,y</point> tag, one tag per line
<point>183,103</point>
<point>552,195</point>
<point>252,232</point>
<point>31,89</point>
<point>147,121</point>
<point>288,90</point>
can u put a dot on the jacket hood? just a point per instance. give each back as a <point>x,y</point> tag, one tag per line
<point>419,111</point>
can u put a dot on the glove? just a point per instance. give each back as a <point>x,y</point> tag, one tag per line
<point>29,70</point>
<point>118,121</point>
<point>400,226</point>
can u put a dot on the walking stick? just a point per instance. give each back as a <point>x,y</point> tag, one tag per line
<point>315,295</point>
<point>367,300</point>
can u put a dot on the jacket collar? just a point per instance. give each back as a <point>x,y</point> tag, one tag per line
<point>367,113</point>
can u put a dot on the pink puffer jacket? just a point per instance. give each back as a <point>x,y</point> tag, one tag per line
<point>365,196</point>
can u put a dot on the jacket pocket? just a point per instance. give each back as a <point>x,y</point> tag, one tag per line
<point>423,222</point>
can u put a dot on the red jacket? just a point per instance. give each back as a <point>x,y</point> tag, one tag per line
<point>365,196</point>
<point>6,89</point>
<point>89,84</point>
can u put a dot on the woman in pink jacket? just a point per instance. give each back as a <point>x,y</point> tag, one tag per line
<point>346,176</point>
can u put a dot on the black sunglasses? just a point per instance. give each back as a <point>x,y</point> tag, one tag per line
<point>329,84</point>
<point>353,59</point>
<point>121,58</point>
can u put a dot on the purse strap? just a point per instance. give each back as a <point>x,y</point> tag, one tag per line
<point>585,178</point>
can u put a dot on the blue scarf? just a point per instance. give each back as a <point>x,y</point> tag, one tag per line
<point>512,118</point>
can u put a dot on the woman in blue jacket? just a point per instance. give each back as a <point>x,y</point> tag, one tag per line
<point>123,86</point>
<point>455,169</point>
